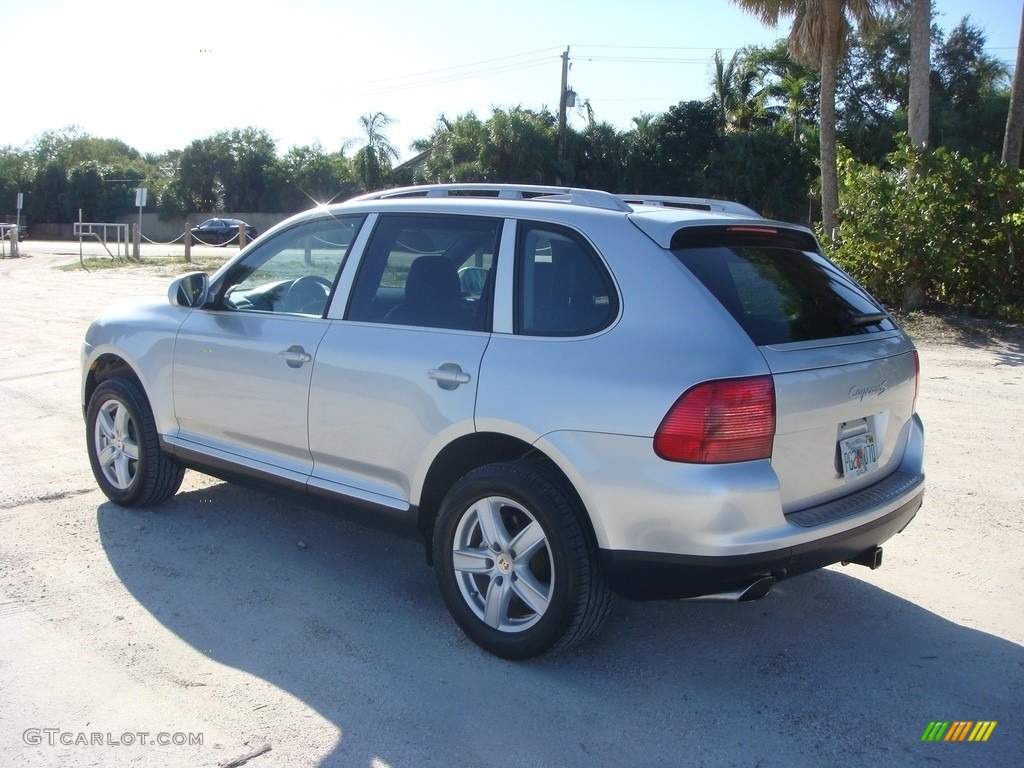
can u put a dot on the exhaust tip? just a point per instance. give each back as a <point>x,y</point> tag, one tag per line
<point>757,589</point>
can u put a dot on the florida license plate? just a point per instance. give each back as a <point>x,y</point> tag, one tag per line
<point>859,455</point>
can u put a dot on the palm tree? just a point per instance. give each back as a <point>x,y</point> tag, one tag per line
<point>377,155</point>
<point>792,90</point>
<point>733,93</point>
<point>642,157</point>
<point>723,82</point>
<point>521,146</point>
<point>818,39</point>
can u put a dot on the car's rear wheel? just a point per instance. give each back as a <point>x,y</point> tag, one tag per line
<point>124,451</point>
<point>514,564</point>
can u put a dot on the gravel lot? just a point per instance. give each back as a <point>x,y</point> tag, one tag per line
<point>245,620</point>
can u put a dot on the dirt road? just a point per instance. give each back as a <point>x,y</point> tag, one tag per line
<point>228,620</point>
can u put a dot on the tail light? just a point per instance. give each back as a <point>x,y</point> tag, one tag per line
<point>719,422</point>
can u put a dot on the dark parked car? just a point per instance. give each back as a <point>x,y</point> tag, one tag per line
<point>221,231</point>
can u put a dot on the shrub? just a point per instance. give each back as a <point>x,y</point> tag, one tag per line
<point>937,221</point>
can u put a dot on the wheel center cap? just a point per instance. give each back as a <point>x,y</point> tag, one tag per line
<point>504,563</point>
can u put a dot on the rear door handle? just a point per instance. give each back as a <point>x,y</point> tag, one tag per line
<point>295,356</point>
<point>449,376</point>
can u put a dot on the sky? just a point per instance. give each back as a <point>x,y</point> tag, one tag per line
<point>158,75</point>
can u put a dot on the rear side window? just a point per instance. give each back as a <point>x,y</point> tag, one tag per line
<point>562,289</point>
<point>777,285</point>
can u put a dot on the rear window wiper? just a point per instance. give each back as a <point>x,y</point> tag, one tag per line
<point>862,319</point>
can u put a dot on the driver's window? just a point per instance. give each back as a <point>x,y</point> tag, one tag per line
<point>294,272</point>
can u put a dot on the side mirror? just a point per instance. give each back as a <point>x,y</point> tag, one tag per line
<point>191,290</point>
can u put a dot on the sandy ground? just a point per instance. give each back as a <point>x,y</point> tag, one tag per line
<point>228,620</point>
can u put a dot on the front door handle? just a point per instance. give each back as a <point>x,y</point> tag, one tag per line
<point>295,356</point>
<point>449,376</point>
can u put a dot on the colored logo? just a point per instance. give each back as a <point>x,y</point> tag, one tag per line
<point>959,730</point>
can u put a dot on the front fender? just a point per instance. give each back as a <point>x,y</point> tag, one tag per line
<point>142,336</point>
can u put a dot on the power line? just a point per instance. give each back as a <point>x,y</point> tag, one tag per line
<point>441,76</point>
<point>514,63</point>
<point>430,82</point>
<point>462,72</point>
<point>642,60</point>
<point>547,51</point>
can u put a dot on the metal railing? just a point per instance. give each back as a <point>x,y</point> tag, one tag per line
<point>100,232</point>
<point>9,234</point>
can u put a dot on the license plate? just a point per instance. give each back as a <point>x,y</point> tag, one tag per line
<point>859,455</point>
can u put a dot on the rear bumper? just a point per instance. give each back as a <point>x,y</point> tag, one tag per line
<point>659,576</point>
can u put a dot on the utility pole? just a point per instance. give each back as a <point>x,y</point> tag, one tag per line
<point>562,107</point>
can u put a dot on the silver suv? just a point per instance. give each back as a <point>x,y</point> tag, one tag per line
<point>565,394</point>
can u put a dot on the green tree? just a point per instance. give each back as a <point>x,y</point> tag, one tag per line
<point>119,185</point>
<point>244,158</point>
<point>374,160</point>
<point>790,89</point>
<point>971,94</point>
<point>73,169</point>
<point>872,90</point>
<point>818,38</point>
<point>520,146</point>
<point>642,152</point>
<point>15,176</point>
<point>967,91</point>
<point>765,170</point>
<point>306,176</point>
<point>598,156</point>
<point>48,201</point>
<point>85,190</point>
<point>226,172</point>
<point>70,146</point>
<point>454,149</point>
<point>688,137</point>
<point>738,103</point>
<point>198,186</point>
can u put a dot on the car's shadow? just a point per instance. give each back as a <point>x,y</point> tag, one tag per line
<point>827,670</point>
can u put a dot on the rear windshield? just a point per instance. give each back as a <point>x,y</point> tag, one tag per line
<point>777,285</point>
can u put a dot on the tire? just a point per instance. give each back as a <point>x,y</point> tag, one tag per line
<point>124,451</point>
<point>550,595</point>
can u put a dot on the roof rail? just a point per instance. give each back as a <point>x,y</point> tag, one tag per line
<point>692,203</point>
<point>591,198</point>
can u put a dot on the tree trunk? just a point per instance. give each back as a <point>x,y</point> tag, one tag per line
<point>918,120</point>
<point>920,71</point>
<point>831,51</point>
<point>1015,116</point>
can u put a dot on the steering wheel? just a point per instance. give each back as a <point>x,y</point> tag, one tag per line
<point>307,295</point>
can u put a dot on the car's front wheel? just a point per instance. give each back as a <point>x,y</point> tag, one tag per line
<point>124,451</point>
<point>514,564</point>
